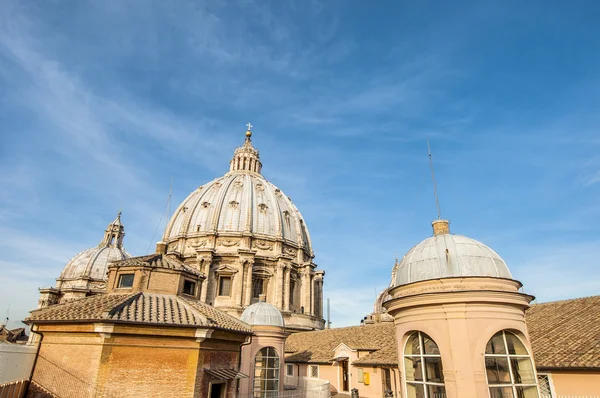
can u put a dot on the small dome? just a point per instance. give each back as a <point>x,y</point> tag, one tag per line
<point>262,314</point>
<point>93,263</point>
<point>445,256</point>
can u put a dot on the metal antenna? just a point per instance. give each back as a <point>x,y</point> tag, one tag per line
<point>7,315</point>
<point>328,314</point>
<point>437,201</point>
<point>169,203</point>
<point>168,211</point>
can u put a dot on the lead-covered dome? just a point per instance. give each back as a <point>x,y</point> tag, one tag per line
<point>262,314</point>
<point>92,264</point>
<point>242,202</point>
<point>445,255</point>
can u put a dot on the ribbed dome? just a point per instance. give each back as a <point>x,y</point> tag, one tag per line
<point>240,202</point>
<point>262,314</point>
<point>445,255</point>
<point>93,263</point>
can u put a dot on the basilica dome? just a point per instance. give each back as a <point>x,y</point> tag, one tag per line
<point>240,203</point>
<point>445,255</point>
<point>92,264</point>
<point>248,239</point>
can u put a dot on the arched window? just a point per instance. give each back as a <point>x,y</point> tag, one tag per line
<point>423,368</point>
<point>266,373</point>
<point>509,369</point>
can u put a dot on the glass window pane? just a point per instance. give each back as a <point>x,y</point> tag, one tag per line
<point>272,385</point>
<point>522,370</point>
<point>501,392</point>
<point>527,392</point>
<point>271,352</point>
<point>273,363</point>
<point>413,368</point>
<point>436,391</point>
<point>497,370</point>
<point>415,390</point>
<point>412,346</point>
<point>429,346</point>
<point>496,345</point>
<point>515,347</point>
<point>433,370</point>
<point>272,373</point>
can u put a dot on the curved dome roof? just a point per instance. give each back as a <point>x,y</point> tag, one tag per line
<point>262,314</point>
<point>240,202</point>
<point>445,255</point>
<point>93,263</point>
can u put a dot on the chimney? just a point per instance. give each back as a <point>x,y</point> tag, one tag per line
<point>161,247</point>
<point>441,227</point>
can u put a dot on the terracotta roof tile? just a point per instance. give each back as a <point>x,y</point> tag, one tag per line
<point>155,309</point>
<point>317,347</point>
<point>566,334</point>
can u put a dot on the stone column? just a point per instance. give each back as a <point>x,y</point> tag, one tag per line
<point>248,292</point>
<point>279,286</point>
<point>206,281</point>
<point>305,298</point>
<point>286,296</point>
<point>238,286</point>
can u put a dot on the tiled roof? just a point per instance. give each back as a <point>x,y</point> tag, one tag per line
<point>566,334</point>
<point>155,261</point>
<point>140,308</point>
<point>317,347</point>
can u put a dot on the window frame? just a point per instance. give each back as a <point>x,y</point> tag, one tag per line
<point>508,356</point>
<point>424,382</point>
<point>548,377</point>
<point>258,392</point>
<point>120,280</point>
<point>194,287</point>
<point>360,375</point>
<point>311,367</point>
<point>289,366</point>
<point>220,285</point>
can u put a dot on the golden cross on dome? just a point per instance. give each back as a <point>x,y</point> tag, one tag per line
<point>249,131</point>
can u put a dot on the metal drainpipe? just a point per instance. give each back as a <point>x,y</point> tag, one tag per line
<point>37,353</point>
<point>237,386</point>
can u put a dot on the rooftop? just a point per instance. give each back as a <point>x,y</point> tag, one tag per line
<point>564,335</point>
<point>139,308</point>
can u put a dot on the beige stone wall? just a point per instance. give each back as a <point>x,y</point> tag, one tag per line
<point>576,383</point>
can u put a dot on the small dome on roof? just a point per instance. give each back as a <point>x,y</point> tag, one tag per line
<point>445,256</point>
<point>93,263</point>
<point>262,314</point>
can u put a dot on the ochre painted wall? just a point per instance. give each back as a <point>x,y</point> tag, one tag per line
<point>576,383</point>
<point>132,361</point>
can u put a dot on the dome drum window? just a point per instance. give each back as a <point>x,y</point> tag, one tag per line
<point>509,368</point>
<point>423,367</point>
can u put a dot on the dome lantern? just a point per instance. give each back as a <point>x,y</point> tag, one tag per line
<point>246,157</point>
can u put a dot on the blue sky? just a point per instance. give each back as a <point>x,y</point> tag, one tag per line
<point>101,103</point>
